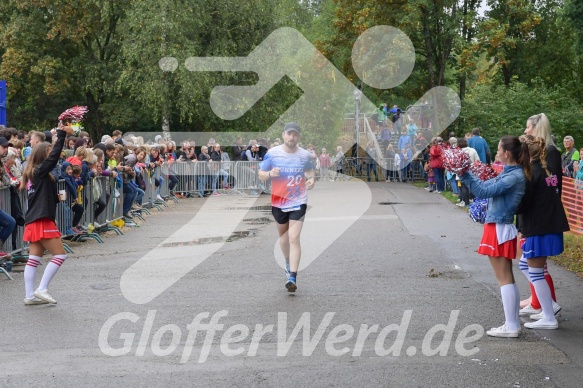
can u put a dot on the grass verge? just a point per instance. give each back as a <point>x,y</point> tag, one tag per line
<point>572,257</point>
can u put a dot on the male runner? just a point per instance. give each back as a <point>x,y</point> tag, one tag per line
<point>292,173</point>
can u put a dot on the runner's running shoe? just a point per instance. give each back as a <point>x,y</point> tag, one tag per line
<point>291,284</point>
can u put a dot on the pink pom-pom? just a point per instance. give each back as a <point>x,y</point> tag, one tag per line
<point>484,172</point>
<point>74,114</point>
<point>456,161</point>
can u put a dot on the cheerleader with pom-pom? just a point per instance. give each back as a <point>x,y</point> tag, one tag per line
<point>40,228</point>
<point>504,194</point>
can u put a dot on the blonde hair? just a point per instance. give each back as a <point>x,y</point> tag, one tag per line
<point>89,156</point>
<point>81,152</point>
<point>536,149</point>
<point>36,158</point>
<point>541,127</point>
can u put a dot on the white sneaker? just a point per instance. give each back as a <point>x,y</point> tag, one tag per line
<point>44,295</point>
<point>503,331</point>
<point>461,204</point>
<point>34,301</point>
<point>542,324</point>
<point>525,302</point>
<point>159,198</point>
<point>556,309</point>
<point>528,310</point>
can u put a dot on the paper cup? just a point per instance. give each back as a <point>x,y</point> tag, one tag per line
<point>63,195</point>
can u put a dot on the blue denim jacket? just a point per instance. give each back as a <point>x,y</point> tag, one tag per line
<point>503,192</point>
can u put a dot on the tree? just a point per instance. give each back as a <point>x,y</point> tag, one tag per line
<point>157,29</point>
<point>501,110</point>
<point>466,58</point>
<point>61,53</point>
<point>432,26</point>
<point>574,11</point>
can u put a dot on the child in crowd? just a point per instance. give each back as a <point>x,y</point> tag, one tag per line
<point>72,177</point>
<point>431,179</point>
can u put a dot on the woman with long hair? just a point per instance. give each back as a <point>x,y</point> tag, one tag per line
<point>542,221</point>
<point>40,228</point>
<point>540,126</point>
<point>504,194</point>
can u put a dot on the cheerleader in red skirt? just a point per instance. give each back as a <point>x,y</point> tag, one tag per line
<point>40,228</point>
<point>504,194</point>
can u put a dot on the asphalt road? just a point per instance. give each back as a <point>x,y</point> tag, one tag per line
<point>392,294</point>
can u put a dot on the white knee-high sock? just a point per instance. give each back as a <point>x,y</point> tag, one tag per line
<point>508,292</point>
<point>523,265</point>
<point>517,303</point>
<point>50,271</point>
<point>543,292</point>
<point>30,275</point>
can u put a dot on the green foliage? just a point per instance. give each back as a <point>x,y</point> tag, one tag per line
<point>499,110</point>
<point>574,12</point>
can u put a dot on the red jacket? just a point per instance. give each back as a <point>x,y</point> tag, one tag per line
<point>436,156</point>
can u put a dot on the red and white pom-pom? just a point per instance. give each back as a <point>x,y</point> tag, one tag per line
<point>484,172</point>
<point>74,114</point>
<point>456,161</point>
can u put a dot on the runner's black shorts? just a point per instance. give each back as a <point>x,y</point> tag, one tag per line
<point>282,217</point>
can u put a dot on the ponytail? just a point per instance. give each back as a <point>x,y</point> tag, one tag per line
<point>519,152</point>
<point>524,160</point>
<point>536,149</point>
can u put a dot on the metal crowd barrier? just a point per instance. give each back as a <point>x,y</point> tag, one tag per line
<point>246,175</point>
<point>150,191</point>
<point>203,176</point>
<point>156,176</point>
<point>13,243</point>
<point>185,172</point>
<point>114,205</point>
<point>103,183</point>
<point>164,172</point>
<point>385,169</point>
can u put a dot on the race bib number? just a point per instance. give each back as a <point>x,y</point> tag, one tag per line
<point>294,185</point>
<point>291,209</point>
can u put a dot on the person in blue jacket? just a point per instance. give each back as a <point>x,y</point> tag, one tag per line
<point>499,240</point>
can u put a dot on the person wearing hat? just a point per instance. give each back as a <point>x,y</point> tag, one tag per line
<point>292,173</point>
<point>48,136</point>
<point>7,223</point>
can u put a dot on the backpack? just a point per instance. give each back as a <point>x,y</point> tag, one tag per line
<point>244,155</point>
<point>95,189</point>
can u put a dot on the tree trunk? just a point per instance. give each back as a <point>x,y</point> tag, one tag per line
<point>94,117</point>
<point>166,128</point>
<point>507,75</point>
<point>428,48</point>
